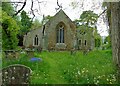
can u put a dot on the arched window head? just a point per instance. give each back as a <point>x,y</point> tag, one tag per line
<point>60,33</point>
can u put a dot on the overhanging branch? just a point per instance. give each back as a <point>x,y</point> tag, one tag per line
<point>32,9</point>
<point>102,13</point>
<point>24,3</point>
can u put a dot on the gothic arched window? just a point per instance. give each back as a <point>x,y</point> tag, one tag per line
<point>60,34</point>
<point>36,40</point>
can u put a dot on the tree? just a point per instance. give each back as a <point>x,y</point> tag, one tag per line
<point>9,27</point>
<point>26,24</point>
<point>23,3</point>
<point>8,8</point>
<point>9,32</point>
<point>114,26</point>
<point>114,23</point>
<point>88,18</point>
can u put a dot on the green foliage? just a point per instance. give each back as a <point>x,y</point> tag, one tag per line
<point>46,19</point>
<point>9,32</point>
<point>36,24</point>
<point>88,18</point>
<point>25,23</point>
<point>107,40</point>
<point>62,68</point>
<point>97,42</point>
<point>107,43</point>
<point>7,7</point>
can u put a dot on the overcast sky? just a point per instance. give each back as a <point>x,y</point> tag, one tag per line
<point>48,8</point>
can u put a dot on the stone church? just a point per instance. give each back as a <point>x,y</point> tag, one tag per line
<point>59,33</point>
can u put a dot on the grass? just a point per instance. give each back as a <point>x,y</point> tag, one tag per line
<point>63,68</point>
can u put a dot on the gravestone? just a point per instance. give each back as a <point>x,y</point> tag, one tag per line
<point>16,74</point>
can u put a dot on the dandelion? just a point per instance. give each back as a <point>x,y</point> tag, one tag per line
<point>94,78</point>
<point>86,70</point>
<point>99,77</point>
<point>110,82</point>
<point>78,72</point>
<point>82,71</point>
<point>103,75</point>
<point>83,68</point>
<point>93,65</point>
<point>97,81</point>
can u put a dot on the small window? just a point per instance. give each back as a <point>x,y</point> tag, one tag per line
<point>79,42</point>
<point>36,40</point>
<point>85,42</point>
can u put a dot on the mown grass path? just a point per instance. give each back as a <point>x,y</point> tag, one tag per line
<point>53,71</point>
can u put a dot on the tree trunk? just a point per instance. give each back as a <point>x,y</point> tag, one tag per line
<point>115,33</point>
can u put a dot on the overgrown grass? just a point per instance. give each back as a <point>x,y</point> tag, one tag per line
<point>63,68</point>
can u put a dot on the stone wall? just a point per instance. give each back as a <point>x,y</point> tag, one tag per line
<point>69,32</point>
<point>29,38</point>
<point>83,35</point>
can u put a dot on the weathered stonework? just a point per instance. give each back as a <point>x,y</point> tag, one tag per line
<point>69,31</point>
<point>85,39</point>
<point>29,38</point>
<point>59,33</point>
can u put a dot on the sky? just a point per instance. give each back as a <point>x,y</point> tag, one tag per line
<point>48,8</point>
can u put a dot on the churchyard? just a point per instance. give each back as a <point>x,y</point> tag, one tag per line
<point>67,44</point>
<point>60,67</point>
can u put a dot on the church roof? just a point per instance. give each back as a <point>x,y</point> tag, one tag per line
<point>60,12</point>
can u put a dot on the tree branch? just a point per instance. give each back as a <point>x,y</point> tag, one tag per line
<point>59,6</point>
<point>13,2</point>
<point>32,9</point>
<point>102,13</point>
<point>24,3</point>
